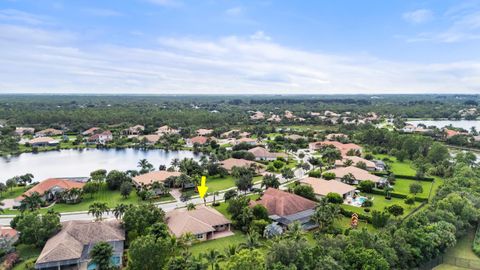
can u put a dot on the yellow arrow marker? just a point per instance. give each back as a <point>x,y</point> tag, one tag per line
<point>202,189</point>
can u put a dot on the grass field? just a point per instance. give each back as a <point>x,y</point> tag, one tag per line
<point>462,250</point>
<point>403,186</point>
<point>218,184</point>
<point>12,193</point>
<point>27,254</point>
<point>403,168</point>
<point>379,204</point>
<point>218,244</point>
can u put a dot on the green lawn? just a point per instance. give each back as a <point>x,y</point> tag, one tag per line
<point>379,203</point>
<point>218,244</point>
<point>12,193</point>
<point>397,167</point>
<point>27,253</point>
<point>344,223</point>
<point>462,250</point>
<point>403,186</point>
<point>112,198</point>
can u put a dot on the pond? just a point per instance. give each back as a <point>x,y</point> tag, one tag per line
<point>79,163</point>
<point>465,124</point>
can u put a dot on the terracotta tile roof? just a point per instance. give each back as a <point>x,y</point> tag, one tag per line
<point>198,139</point>
<point>342,147</point>
<point>156,176</point>
<point>261,152</point>
<point>45,185</point>
<point>282,203</point>
<point>42,140</point>
<point>153,138</point>
<point>333,136</point>
<point>90,131</point>
<point>69,243</point>
<point>8,232</point>
<point>228,164</point>
<point>323,187</point>
<point>50,131</point>
<point>359,174</point>
<point>197,221</point>
<point>246,140</point>
<point>204,131</point>
<point>355,160</point>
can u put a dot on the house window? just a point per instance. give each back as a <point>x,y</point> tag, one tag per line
<point>199,236</point>
<point>115,260</point>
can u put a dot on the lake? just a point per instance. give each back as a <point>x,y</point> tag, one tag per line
<point>465,124</point>
<point>78,163</point>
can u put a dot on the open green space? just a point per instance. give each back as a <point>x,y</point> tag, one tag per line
<point>379,204</point>
<point>218,244</point>
<point>27,254</point>
<point>398,167</point>
<point>12,193</point>
<point>221,183</point>
<point>403,186</point>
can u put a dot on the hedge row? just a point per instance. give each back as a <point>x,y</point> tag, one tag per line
<point>409,177</point>
<point>348,214</point>
<point>476,242</point>
<point>398,195</point>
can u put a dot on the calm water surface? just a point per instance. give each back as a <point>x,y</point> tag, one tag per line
<point>465,124</point>
<point>77,163</point>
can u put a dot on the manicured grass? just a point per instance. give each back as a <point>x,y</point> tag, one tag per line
<point>12,193</point>
<point>218,244</point>
<point>344,223</point>
<point>221,183</point>
<point>397,167</point>
<point>379,204</point>
<point>403,186</point>
<point>27,253</point>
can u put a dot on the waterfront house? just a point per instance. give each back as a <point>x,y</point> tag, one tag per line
<point>166,130</point>
<point>285,208</point>
<point>91,131</point>
<point>204,132</point>
<point>43,141</point>
<point>101,138</point>
<point>134,131</point>
<point>204,223</point>
<point>20,131</point>
<point>49,189</point>
<point>70,247</point>
<point>201,140</point>
<point>150,139</point>
<point>48,132</point>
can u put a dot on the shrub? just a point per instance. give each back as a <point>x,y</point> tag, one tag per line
<point>367,203</point>
<point>379,219</point>
<point>329,175</point>
<point>315,173</point>
<point>476,242</point>
<point>395,210</point>
<point>305,191</point>
<point>334,198</point>
<point>366,186</point>
<point>278,164</point>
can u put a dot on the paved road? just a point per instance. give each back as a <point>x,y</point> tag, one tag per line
<point>299,173</point>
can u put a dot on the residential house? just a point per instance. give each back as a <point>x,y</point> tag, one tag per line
<point>248,141</point>
<point>70,248</point>
<point>152,177</point>
<point>48,132</point>
<point>204,223</point>
<point>289,115</point>
<point>91,131</point>
<point>344,148</point>
<point>204,132</point>
<point>166,130</point>
<point>49,189</point>
<point>286,208</point>
<point>43,141</point>
<point>336,136</point>
<point>9,235</point>
<point>408,128</point>
<point>371,166</point>
<point>150,139</point>
<point>201,140</point>
<point>294,137</point>
<point>101,138</point>
<point>357,173</point>
<point>321,187</point>
<point>230,134</point>
<point>274,118</point>
<point>450,133</point>
<point>261,153</point>
<point>258,115</point>
<point>134,131</point>
<point>20,131</point>
<point>230,163</point>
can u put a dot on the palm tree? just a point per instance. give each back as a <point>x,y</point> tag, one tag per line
<point>190,207</point>
<point>215,194</point>
<point>230,251</point>
<point>325,214</point>
<point>270,180</point>
<point>145,166</point>
<point>175,162</point>
<point>119,210</point>
<point>348,179</point>
<point>213,256</point>
<point>32,202</point>
<point>296,231</point>
<point>186,240</point>
<point>252,241</point>
<point>97,210</point>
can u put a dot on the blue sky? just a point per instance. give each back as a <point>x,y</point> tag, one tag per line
<point>239,47</point>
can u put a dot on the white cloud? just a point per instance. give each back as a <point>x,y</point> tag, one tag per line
<point>418,16</point>
<point>235,11</point>
<point>100,12</point>
<point>167,3</point>
<point>13,15</point>
<point>260,35</point>
<point>53,63</point>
